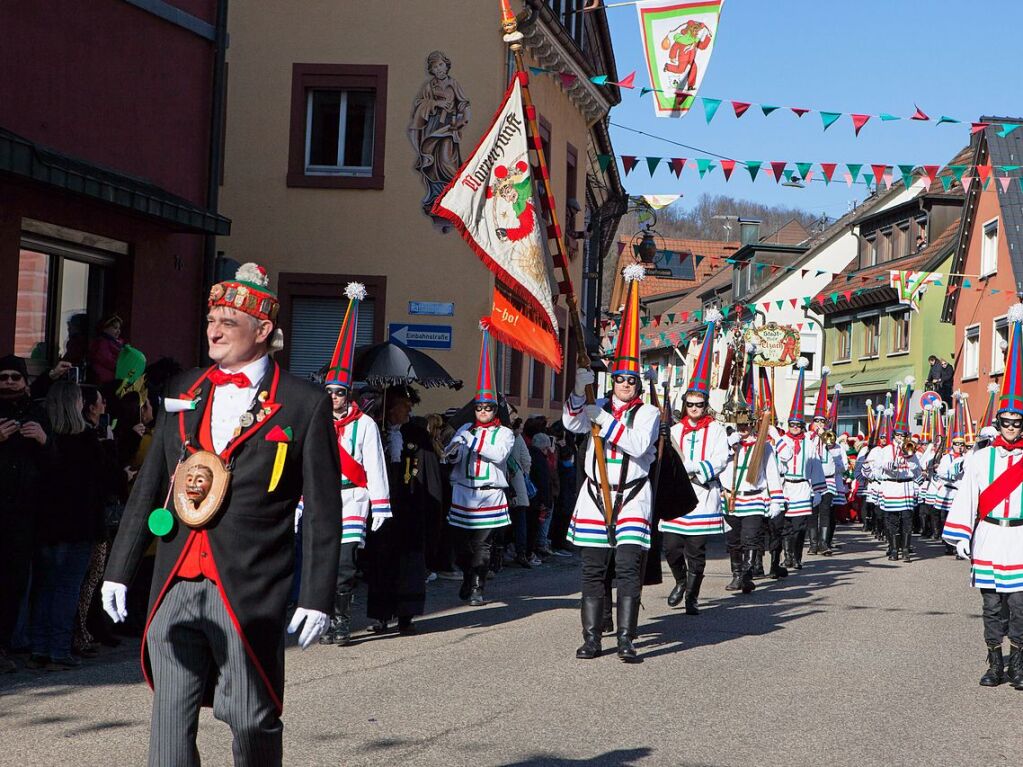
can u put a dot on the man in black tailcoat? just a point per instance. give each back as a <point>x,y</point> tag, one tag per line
<point>216,624</point>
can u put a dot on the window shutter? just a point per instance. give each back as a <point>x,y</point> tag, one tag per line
<point>316,322</point>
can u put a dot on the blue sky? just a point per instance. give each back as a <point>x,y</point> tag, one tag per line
<point>870,56</point>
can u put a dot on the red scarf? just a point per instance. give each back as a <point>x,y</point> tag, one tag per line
<point>797,443</point>
<point>618,412</point>
<point>703,423</point>
<point>489,425</point>
<point>352,415</point>
<point>999,441</point>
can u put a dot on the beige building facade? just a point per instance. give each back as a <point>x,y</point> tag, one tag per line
<point>338,136</point>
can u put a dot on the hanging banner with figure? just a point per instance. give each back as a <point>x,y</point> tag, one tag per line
<point>491,202</point>
<point>910,285</point>
<point>678,38</point>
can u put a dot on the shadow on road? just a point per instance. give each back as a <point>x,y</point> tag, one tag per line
<point>621,758</point>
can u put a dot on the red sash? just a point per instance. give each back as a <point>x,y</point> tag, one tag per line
<point>999,490</point>
<point>351,469</point>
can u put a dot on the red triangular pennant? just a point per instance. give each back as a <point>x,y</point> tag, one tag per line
<point>829,169</point>
<point>859,121</point>
<point>727,166</point>
<point>799,111</point>
<point>919,114</point>
<point>677,164</point>
<point>793,302</point>
<point>567,79</point>
<point>931,172</point>
<point>983,171</point>
<point>879,171</point>
<point>977,127</point>
<point>629,81</point>
<point>778,169</point>
<point>740,107</point>
<point>629,162</point>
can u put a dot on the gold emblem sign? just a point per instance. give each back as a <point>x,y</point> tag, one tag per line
<point>200,486</point>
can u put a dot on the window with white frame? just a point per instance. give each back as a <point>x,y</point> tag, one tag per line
<point>339,132</point>
<point>971,352</point>
<point>899,338</point>
<point>989,249</point>
<point>1000,342</point>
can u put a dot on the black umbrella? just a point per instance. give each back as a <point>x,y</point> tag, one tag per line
<point>392,362</point>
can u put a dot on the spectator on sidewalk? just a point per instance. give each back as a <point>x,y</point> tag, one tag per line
<point>542,504</point>
<point>70,521</point>
<point>24,459</point>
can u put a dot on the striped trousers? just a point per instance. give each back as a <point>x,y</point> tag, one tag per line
<point>190,636</point>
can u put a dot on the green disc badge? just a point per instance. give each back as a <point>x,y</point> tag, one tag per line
<point>161,521</point>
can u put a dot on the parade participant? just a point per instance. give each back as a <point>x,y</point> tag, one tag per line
<point>897,468</point>
<point>215,632</point>
<point>882,436</point>
<point>396,553</point>
<point>364,490</point>
<point>835,483</point>
<point>772,541</point>
<point>702,444</point>
<point>628,434</point>
<point>985,522</point>
<point>802,475</point>
<point>751,494</point>
<point>479,453</point>
<point>822,437</point>
<point>927,482</point>
<point>950,466</point>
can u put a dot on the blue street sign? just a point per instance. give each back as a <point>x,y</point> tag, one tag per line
<point>421,336</point>
<point>436,308</point>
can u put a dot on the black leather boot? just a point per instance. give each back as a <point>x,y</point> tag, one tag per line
<point>905,545</point>
<point>758,565</point>
<point>693,583</point>
<point>787,545</point>
<point>628,618</point>
<point>592,613</point>
<point>777,571</point>
<point>1015,670</point>
<point>330,636</point>
<point>677,594</point>
<point>466,588</point>
<point>746,580</point>
<point>736,562</point>
<point>995,673</point>
<point>797,550</point>
<point>343,616</point>
<point>476,590</point>
<point>814,526</point>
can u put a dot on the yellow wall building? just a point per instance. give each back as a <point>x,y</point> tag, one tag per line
<point>329,124</point>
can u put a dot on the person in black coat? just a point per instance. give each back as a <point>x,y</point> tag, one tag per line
<point>25,452</point>
<point>396,559</point>
<point>215,632</point>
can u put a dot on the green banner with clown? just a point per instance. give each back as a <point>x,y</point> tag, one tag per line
<point>678,39</point>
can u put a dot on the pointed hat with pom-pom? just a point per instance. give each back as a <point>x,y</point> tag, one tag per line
<point>340,371</point>
<point>485,389</point>
<point>988,418</point>
<point>626,359</point>
<point>905,396</point>
<point>796,414</point>
<point>820,409</point>
<point>248,292</point>
<point>699,381</point>
<point>1010,399</point>
<point>833,410</point>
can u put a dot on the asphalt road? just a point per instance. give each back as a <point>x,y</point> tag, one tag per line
<point>853,661</point>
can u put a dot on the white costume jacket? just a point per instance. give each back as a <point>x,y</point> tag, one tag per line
<point>997,551</point>
<point>802,475</point>
<point>479,476</point>
<point>897,474</point>
<point>627,429</point>
<point>752,496</point>
<point>704,453</point>
<point>364,487</point>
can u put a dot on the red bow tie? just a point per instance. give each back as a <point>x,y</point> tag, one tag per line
<point>220,378</point>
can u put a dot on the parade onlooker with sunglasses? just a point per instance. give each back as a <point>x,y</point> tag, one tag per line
<point>24,455</point>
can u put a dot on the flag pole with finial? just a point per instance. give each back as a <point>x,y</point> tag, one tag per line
<point>512,36</point>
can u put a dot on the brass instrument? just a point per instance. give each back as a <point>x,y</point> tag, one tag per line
<point>828,438</point>
<point>908,448</point>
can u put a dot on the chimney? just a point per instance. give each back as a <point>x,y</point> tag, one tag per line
<point>749,231</point>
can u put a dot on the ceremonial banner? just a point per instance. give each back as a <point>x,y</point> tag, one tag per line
<point>777,345</point>
<point>911,285</point>
<point>678,38</point>
<point>491,202</point>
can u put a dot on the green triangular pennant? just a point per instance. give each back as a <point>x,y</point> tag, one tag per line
<point>854,169</point>
<point>957,171</point>
<point>946,182</point>
<point>753,166</point>
<point>710,107</point>
<point>767,109</point>
<point>907,175</point>
<point>828,118</point>
<point>603,160</point>
<point>703,165</point>
<point>946,119</point>
<point>886,117</point>
<point>652,163</point>
<point>803,168</point>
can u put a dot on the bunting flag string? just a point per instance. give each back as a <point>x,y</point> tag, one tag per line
<point>878,173</point>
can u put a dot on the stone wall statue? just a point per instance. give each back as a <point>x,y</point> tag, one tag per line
<point>439,113</point>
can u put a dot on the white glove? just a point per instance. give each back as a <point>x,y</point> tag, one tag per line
<point>377,522</point>
<point>596,414</point>
<point>775,510</point>
<point>963,549</point>
<point>298,512</point>
<point>315,624</point>
<point>583,378</point>
<point>114,596</point>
